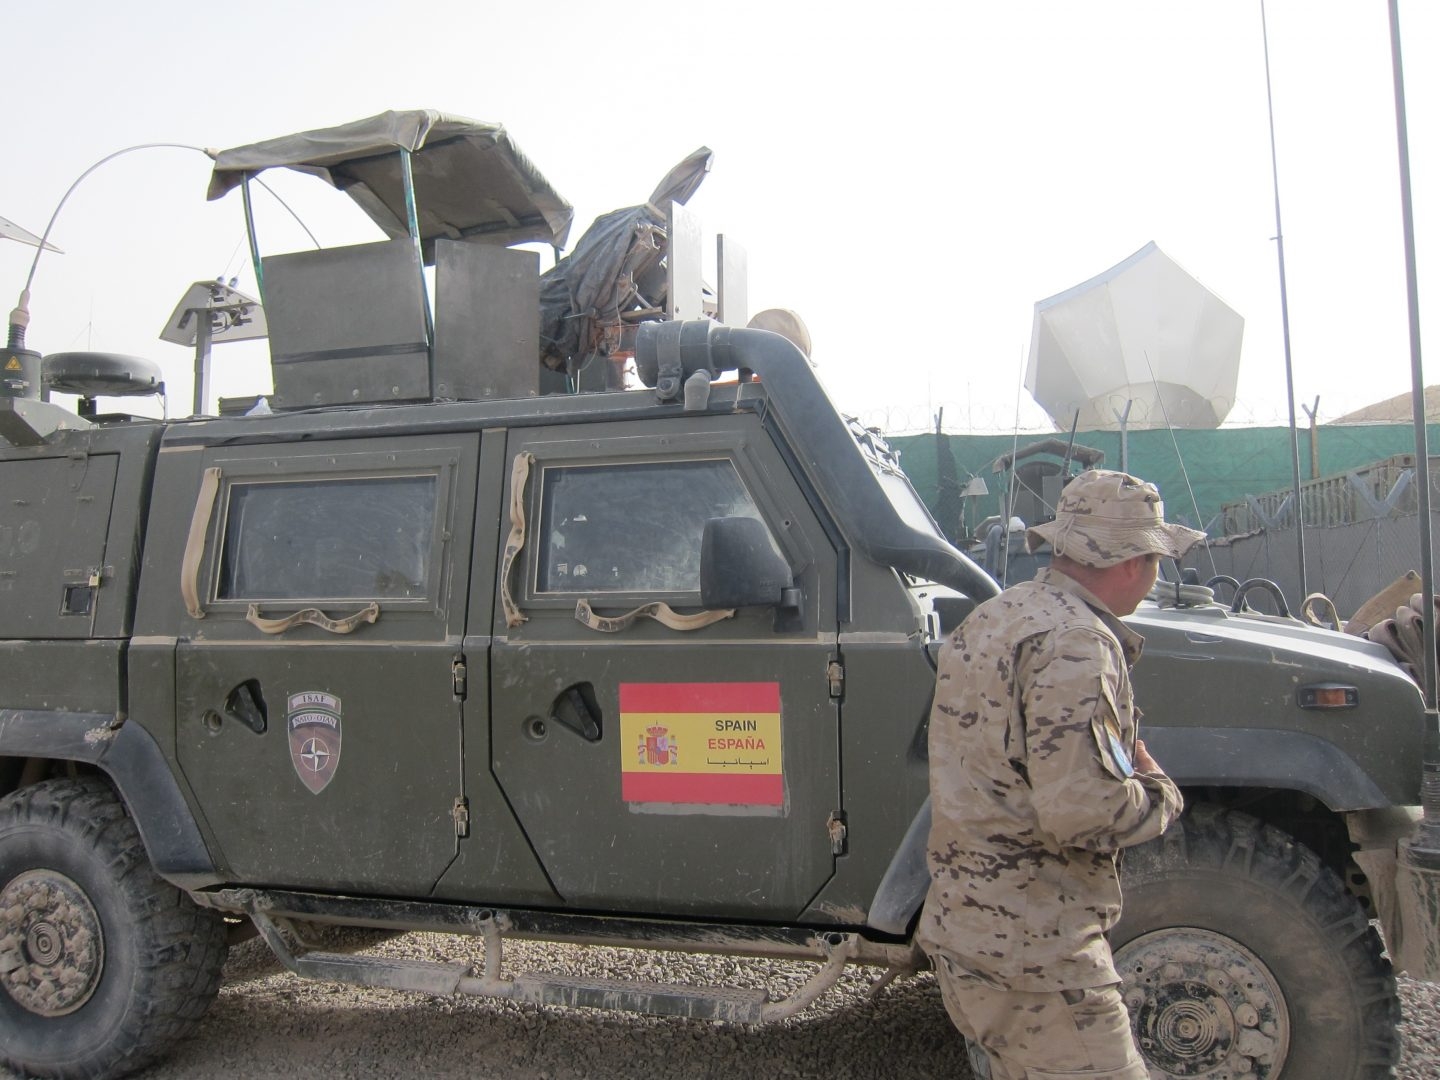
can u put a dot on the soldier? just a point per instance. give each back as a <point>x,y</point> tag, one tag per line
<point>1037,780</point>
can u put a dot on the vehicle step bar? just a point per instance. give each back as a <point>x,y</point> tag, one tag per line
<point>833,951</point>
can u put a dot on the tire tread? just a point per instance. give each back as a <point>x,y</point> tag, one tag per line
<point>183,945</point>
<point>1216,839</point>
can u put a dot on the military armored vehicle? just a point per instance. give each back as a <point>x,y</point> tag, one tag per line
<point>646,667</point>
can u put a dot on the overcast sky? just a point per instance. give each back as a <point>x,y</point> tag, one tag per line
<point>911,178</point>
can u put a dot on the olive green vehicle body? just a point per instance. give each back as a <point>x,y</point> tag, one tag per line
<point>645,667</point>
<point>466,774</point>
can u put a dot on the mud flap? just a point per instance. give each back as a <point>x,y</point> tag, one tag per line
<point>1417,886</point>
<point>1378,866</point>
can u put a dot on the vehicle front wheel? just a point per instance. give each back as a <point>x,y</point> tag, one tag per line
<point>103,964</point>
<point>1242,956</point>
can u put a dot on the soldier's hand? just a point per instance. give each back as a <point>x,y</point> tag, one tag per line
<point>1143,761</point>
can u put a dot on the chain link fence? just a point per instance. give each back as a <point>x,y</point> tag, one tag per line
<point>1026,417</point>
<point>1362,531</point>
<point>1360,510</point>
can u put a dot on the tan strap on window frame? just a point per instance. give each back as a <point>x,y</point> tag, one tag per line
<point>314,617</point>
<point>660,611</point>
<point>195,542</point>
<point>515,542</point>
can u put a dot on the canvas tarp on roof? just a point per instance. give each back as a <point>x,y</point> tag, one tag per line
<point>471,181</point>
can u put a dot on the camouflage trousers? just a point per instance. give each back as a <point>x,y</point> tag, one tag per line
<point>1059,1035</point>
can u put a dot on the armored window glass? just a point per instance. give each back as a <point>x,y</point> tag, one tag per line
<point>360,538</point>
<point>632,528</point>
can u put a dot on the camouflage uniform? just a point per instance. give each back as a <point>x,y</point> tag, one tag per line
<point>1032,794</point>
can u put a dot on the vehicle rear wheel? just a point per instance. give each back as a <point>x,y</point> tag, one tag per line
<point>1243,957</point>
<point>103,964</point>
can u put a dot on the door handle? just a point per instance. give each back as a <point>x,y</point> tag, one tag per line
<point>576,709</point>
<point>246,704</point>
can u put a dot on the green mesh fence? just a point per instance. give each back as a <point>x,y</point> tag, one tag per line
<point>1219,466</point>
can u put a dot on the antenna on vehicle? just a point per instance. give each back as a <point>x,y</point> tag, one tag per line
<point>1007,504</point>
<point>26,416</point>
<point>1069,449</point>
<point>1185,473</point>
<point>20,316</point>
<point>1284,315</point>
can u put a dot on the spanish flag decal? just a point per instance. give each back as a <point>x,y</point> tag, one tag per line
<point>709,744</point>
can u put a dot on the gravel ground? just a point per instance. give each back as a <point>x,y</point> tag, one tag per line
<point>267,1023</point>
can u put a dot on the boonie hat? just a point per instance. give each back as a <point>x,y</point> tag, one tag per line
<point>1105,517</point>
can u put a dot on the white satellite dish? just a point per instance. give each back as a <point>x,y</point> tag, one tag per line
<point>1143,335</point>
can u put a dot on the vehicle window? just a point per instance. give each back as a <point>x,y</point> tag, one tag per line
<point>633,527</point>
<point>360,538</point>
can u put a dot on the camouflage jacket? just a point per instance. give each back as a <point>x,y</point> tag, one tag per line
<point>1032,788</point>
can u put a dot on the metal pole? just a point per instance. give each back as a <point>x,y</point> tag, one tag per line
<point>1285,318</point>
<point>1417,374</point>
<point>1417,868</point>
<point>1124,419</point>
<point>413,222</point>
<point>202,360</point>
<point>1430,792</point>
<point>1312,413</point>
<point>250,236</point>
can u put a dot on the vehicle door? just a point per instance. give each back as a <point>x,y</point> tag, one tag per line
<point>660,757</point>
<point>317,717</point>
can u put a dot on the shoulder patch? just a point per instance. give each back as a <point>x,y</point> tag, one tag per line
<point>1113,754</point>
<point>1109,743</point>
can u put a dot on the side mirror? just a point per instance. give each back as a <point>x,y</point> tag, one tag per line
<point>739,567</point>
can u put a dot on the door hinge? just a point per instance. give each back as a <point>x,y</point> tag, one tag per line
<point>458,677</point>
<point>835,672</point>
<point>460,814</point>
<point>835,826</point>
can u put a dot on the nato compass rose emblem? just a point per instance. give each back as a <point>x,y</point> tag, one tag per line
<point>313,720</point>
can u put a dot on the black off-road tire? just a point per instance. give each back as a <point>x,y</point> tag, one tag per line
<point>1241,954</point>
<point>103,964</point>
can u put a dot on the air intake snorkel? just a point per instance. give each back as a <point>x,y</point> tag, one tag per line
<point>669,353</point>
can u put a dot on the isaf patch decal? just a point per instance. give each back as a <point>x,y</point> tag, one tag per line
<point>312,719</point>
